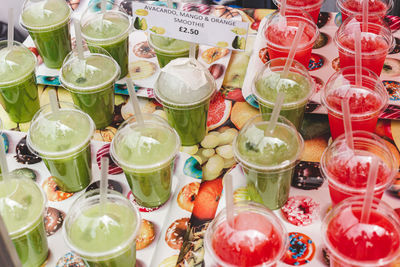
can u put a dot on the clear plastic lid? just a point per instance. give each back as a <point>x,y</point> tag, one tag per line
<point>101,231</point>
<point>44,14</point>
<point>184,82</point>
<point>168,45</point>
<point>105,28</point>
<point>95,71</point>
<point>145,147</point>
<point>22,205</point>
<point>298,85</point>
<point>16,63</point>
<point>59,134</point>
<point>268,152</point>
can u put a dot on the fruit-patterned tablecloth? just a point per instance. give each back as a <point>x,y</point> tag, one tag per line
<point>173,234</point>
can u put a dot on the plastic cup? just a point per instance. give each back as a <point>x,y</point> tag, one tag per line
<point>259,238</point>
<point>168,49</point>
<point>18,91</point>
<point>185,87</point>
<point>279,36</point>
<point>268,161</point>
<point>375,44</point>
<point>297,7</point>
<point>353,244</point>
<point>298,87</point>
<point>62,140</point>
<point>91,83</point>
<point>23,205</point>
<point>347,171</point>
<point>47,22</point>
<point>103,235</point>
<point>146,153</point>
<point>366,101</point>
<point>109,30</point>
<point>354,7</point>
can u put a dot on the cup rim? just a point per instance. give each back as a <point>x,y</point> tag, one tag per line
<point>88,89</point>
<point>94,195</point>
<point>307,7</point>
<point>358,201</point>
<point>283,166</point>
<point>18,44</point>
<point>131,123</point>
<point>46,28</point>
<point>70,152</point>
<point>110,40</point>
<point>363,137</point>
<point>37,220</point>
<point>295,18</point>
<point>166,52</point>
<point>289,105</point>
<point>243,206</point>
<point>370,75</point>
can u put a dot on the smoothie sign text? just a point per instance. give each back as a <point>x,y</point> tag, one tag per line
<point>189,26</point>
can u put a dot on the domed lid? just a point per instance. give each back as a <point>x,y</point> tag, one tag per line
<point>22,204</point>
<point>184,82</point>
<point>16,62</point>
<point>39,14</point>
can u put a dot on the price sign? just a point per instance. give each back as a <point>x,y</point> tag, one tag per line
<point>190,26</point>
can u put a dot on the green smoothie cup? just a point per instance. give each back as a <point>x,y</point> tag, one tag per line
<point>146,152</point>
<point>103,234</point>
<point>47,22</point>
<point>297,85</point>
<point>109,30</point>
<point>268,159</point>
<point>168,49</point>
<point>185,87</point>
<point>91,84</point>
<point>62,139</point>
<point>18,91</point>
<point>22,206</point>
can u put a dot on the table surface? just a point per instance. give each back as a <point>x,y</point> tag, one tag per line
<point>228,110</point>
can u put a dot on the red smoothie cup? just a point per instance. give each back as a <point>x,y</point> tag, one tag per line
<point>354,7</point>
<point>258,238</point>
<point>376,43</point>
<point>366,101</point>
<point>347,170</point>
<point>279,34</point>
<point>294,7</point>
<point>354,244</point>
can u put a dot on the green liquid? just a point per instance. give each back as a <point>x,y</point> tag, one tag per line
<point>24,205</point>
<point>62,140</point>
<point>112,36</point>
<point>150,145</point>
<point>48,25</point>
<point>92,87</point>
<point>268,187</point>
<point>18,90</point>
<point>101,230</point>
<point>190,124</point>
<point>296,89</point>
<point>168,49</point>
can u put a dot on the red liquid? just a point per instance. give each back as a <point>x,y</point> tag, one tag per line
<point>370,43</point>
<point>355,6</point>
<point>311,6</point>
<point>362,242</point>
<point>253,241</point>
<point>362,102</point>
<point>280,42</point>
<point>353,170</point>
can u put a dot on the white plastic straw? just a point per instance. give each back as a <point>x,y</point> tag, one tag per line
<point>53,100</point>
<point>78,39</point>
<point>192,50</point>
<point>293,49</point>
<point>230,213</point>
<point>275,113</point>
<point>103,181</point>
<point>10,30</point>
<point>369,194</point>
<point>134,101</point>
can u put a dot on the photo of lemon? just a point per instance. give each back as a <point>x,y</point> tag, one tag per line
<point>222,44</point>
<point>239,31</point>
<point>157,30</point>
<point>141,12</point>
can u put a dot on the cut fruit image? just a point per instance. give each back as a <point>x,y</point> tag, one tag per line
<point>218,112</point>
<point>141,12</point>
<point>213,54</point>
<point>207,199</point>
<point>141,69</point>
<point>187,196</point>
